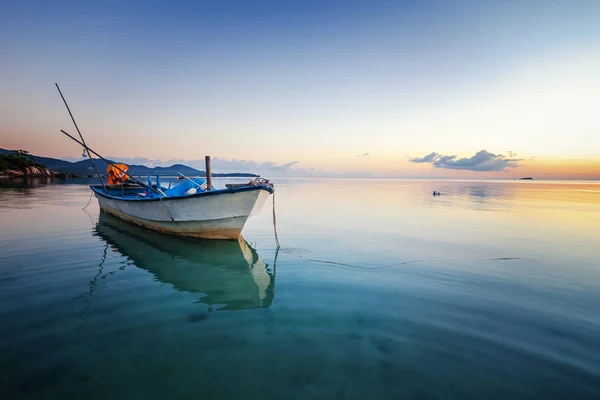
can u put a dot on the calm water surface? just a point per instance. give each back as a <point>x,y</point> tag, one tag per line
<point>379,290</point>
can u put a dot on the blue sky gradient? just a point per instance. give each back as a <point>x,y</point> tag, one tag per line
<point>314,82</point>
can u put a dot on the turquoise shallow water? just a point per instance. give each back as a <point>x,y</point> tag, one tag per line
<point>379,290</point>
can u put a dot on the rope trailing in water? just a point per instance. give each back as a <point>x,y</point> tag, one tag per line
<point>357,266</point>
<point>88,203</point>
<point>398,263</point>
<point>275,223</point>
<point>265,182</point>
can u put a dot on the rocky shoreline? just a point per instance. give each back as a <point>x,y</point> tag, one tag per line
<point>33,172</point>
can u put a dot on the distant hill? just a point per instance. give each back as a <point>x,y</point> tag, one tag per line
<point>84,168</point>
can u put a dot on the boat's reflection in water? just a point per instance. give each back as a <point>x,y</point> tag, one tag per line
<point>229,273</point>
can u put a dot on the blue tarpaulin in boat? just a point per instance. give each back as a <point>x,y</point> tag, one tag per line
<point>184,186</point>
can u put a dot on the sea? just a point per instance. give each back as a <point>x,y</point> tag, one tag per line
<point>379,290</point>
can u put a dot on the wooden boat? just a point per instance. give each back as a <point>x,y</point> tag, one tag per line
<point>229,274</point>
<point>192,208</point>
<point>186,209</point>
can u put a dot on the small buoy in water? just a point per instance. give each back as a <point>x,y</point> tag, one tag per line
<point>191,191</point>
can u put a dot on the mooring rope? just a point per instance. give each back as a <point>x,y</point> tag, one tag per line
<point>167,210</point>
<point>88,203</point>
<point>275,222</point>
<point>265,182</point>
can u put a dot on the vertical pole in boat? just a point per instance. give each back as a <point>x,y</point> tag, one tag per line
<point>208,174</point>
<point>81,136</point>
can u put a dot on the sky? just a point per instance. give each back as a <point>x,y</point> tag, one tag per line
<point>456,89</point>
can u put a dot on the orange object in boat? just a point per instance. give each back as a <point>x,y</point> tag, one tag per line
<point>115,176</point>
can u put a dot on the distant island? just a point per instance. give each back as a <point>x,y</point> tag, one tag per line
<point>528,178</point>
<point>21,163</point>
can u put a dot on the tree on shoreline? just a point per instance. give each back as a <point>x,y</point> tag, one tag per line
<point>17,160</point>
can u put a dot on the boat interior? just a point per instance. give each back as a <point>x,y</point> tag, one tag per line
<point>133,190</point>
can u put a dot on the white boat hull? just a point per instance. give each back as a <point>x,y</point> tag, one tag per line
<point>219,216</point>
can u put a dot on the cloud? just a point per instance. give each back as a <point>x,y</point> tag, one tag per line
<point>427,159</point>
<point>235,165</point>
<point>362,155</point>
<point>280,167</point>
<point>265,168</point>
<point>482,161</point>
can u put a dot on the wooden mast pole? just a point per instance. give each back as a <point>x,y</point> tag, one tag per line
<point>81,136</point>
<point>209,186</point>
<point>157,190</point>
